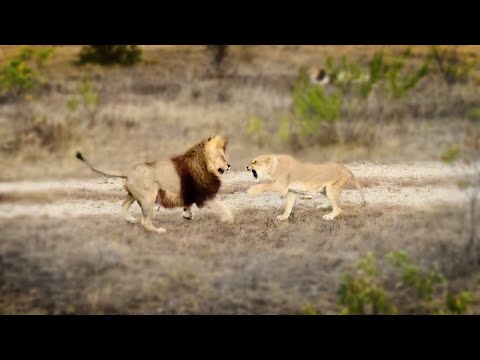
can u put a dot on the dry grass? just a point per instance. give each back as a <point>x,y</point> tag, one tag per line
<point>255,266</point>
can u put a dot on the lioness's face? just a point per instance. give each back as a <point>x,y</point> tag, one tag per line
<point>260,166</point>
<point>217,157</point>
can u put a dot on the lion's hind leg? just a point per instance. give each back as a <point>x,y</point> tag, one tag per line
<point>147,204</point>
<point>126,206</point>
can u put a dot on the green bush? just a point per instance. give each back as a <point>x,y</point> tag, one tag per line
<point>23,72</point>
<point>473,114</point>
<point>87,99</point>
<point>125,55</point>
<point>364,292</point>
<point>423,283</point>
<point>312,108</point>
<point>451,154</point>
<point>391,71</point>
<point>402,78</point>
<point>451,65</point>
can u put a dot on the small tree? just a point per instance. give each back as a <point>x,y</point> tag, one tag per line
<point>125,55</point>
<point>218,55</point>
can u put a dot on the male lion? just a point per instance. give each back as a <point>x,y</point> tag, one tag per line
<point>191,178</point>
<point>292,177</point>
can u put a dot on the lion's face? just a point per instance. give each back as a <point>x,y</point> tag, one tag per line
<point>260,166</point>
<point>215,152</point>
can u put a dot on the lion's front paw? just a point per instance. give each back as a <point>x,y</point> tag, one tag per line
<point>131,220</point>
<point>227,219</point>
<point>282,217</point>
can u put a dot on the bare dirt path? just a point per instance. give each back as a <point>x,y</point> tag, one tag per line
<point>416,185</point>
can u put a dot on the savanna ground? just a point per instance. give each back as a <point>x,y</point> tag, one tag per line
<point>65,249</point>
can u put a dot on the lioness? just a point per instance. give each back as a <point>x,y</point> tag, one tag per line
<point>292,177</point>
<point>191,178</point>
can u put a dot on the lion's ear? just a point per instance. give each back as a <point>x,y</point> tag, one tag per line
<point>218,142</point>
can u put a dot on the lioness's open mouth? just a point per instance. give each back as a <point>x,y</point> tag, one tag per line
<point>255,175</point>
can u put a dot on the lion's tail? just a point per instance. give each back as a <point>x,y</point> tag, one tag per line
<point>80,157</point>
<point>359,188</point>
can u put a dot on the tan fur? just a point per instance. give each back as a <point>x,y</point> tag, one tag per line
<point>290,177</point>
<point>163,182</point>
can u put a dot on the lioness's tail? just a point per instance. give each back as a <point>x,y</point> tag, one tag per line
<point>359,188</point>
<point>80,157</point>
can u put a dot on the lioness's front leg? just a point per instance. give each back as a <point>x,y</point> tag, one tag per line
<point>221,209</point>
<point>288,209</point>
<point>275,186</point>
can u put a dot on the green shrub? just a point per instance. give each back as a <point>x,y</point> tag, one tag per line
<point>451,154</point>
<point>284,129</point>
<point>473,114</point>
<point>312,108</point>
<point>361,293</point>
<point>451,65</point>
<point>308,310</point>
<point>393,71</point>
<point>87,99</point>
<point>125,55</point>
<point>459,304</point>
<point>401,78</point>
<point>365,292</point>
<point>423,283</point>
<point>22,73</point>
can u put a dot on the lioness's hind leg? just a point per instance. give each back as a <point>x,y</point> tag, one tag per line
<point>333,195</point>
<point>126,206</point>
